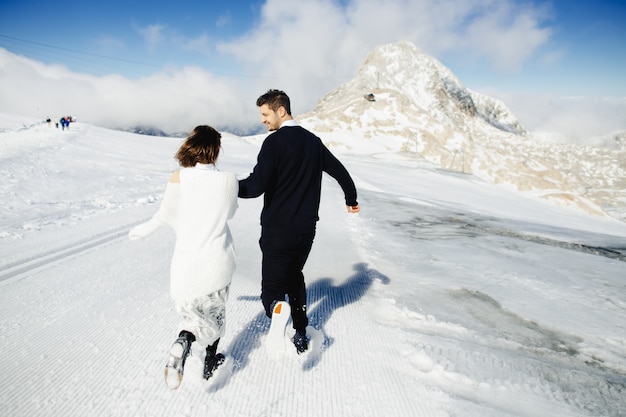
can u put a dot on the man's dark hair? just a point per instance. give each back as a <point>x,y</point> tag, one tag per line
<point>274,100</point>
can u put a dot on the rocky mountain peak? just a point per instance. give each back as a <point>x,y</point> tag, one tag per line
<point>403,100</point>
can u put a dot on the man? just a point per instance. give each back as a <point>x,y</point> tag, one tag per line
<point>289,172</point>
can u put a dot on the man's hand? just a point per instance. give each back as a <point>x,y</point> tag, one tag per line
<point>353,209</point>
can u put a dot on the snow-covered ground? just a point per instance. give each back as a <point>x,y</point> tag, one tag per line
<point>445,296</point>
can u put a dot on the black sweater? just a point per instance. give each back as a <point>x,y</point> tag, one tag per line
<point>289,172</point>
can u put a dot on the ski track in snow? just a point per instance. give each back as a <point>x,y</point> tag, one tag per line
<point>86,323</point>
<point>87,371</point>
<point>123,343</point>
<point>25,266</point>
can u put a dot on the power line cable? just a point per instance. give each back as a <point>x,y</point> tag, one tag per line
<point>153,65</point>
<point>61,48</point>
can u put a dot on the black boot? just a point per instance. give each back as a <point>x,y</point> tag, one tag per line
<point>301,341</point>
<point>179,352</point>
<point>212,360</point>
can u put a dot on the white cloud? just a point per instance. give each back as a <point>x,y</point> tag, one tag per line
<point>167,42</point>
<point>506,37</point>
<point>110,44</point>
<point>223,20</point>
<point>584,120</point>
<point>307,49</point>
<point>153,34</point>
<point>200,44</point>
<point>175,100</point>
<point>502,31</point>
<point>327,41</point>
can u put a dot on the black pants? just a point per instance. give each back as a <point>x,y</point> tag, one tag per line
<point>283,260</point>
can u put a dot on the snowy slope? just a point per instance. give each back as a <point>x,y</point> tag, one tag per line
<point>421,107</point>
<point>445,296</point>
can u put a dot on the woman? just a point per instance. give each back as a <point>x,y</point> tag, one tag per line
<point>198,202</point>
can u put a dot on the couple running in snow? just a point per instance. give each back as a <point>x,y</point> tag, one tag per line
<point>198,202</point>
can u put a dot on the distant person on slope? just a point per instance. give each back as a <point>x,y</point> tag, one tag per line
<point>289,172</point>
<point>198,202</point>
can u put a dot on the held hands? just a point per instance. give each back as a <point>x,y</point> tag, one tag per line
<point>353,209</point>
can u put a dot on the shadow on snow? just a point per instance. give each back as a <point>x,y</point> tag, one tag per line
<point>325,298</point>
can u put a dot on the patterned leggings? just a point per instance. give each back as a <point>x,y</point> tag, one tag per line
<point>205,316</point>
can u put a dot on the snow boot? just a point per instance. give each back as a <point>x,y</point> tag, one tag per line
<point>179,352</point>
<point>212,360</point>
<point>300,341</point>
<point>275,343</point>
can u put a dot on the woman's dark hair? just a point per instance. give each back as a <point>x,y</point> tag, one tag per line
<point>201,146</point>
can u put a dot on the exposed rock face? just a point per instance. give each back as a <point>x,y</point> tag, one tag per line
<point>404,100</point>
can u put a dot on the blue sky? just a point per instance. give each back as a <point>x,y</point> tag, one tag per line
<point>125,37</point>
<point>508,49</point>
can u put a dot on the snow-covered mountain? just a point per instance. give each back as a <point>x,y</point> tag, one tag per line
<point>405,100</point>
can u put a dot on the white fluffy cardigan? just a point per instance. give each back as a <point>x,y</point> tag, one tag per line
<point>197,208</point>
